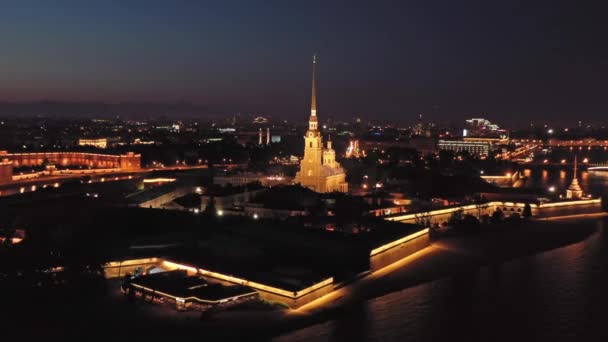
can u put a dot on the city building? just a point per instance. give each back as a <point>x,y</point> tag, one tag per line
<point>224,198</point>
<point>482,130</point>
<point>479,148</point>
<point>128,161</point>
<point>187,292</point>
<point>421,129</point>
<point>99,143</point>
<point>243,178</point>
<point>353,150</point>
<point>6,171</point>
<point>424,145</point>
<point>319,170</point>
<point>158,196</point>
<point>261,136</point>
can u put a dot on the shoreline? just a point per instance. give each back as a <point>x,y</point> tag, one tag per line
<point>446,258</point>
<point>442,259</point>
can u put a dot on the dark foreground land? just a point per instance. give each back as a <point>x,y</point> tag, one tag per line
<point>88,306</point>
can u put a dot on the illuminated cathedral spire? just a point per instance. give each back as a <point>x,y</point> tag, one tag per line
<point>313,121</point>
<point>574,191</point>
<point>319,170</point>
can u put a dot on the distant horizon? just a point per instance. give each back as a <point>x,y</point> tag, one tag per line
<point>187,110</point>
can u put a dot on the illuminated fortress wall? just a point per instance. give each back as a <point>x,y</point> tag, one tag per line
<point>118,269</point>
<point>380,257</point>
<point>573,208</point>
<point>399,249</point>
<point>294,299</point>
<point>127,161</point>
<point>6,171</point>
<point>296,302</point>
<point>508,208</point>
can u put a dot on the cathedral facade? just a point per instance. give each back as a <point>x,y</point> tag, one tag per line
<point>319,170</point>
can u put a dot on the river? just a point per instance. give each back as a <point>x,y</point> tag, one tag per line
<point>556,295</point>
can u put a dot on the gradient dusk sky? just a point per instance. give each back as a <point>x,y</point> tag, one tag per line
<point>541,60</point>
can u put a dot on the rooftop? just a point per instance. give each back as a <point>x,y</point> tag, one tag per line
<point>217,190</point>
<point>178,284</point>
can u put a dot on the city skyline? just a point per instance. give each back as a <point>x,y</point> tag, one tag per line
<point>304,171</point>
<point>389,60</point>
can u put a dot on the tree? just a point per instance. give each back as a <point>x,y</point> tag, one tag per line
<point>456,217</point>
<point>498,216</point>
<point>210,208</point>
<point>527,211</point>
<point>423,219</point>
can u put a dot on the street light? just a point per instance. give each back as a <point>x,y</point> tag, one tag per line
<point>551,189</point>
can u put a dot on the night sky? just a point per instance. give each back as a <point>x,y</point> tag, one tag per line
<point>511,60</point>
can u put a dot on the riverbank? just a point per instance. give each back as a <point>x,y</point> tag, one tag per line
<point>446,258</point>
<point>450,257</point>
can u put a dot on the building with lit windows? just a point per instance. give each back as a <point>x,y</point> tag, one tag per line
<point>482,130</point>
<point>99,143</point>
<point>319,170</point>
<point>478,148</point>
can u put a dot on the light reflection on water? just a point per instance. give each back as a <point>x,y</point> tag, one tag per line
<point>595,182</point>
<point>558,295</point>
<point>551,296</point>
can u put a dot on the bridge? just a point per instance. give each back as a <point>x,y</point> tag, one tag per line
<point>588,166</point>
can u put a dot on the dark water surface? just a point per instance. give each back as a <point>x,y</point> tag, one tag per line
<point>557,295</point>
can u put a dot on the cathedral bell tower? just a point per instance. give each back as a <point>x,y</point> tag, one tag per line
<point>319,170</point>
<point>313,148</point>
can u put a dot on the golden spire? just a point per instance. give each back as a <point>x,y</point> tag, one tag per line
<point>313,121</point>
<point>574,190</point>
<point>313,100</point>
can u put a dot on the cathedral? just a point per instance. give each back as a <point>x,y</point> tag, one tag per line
<point>319,170</point>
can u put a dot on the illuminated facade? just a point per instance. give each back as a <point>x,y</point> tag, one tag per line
<point>129,161</point>
<point>99,143</point>
<point>482,130</point>
<point>472,147</point>
<point>552,209</point>
<point>319,170</point>
<point>6,171</point>
<point>353,150</point>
